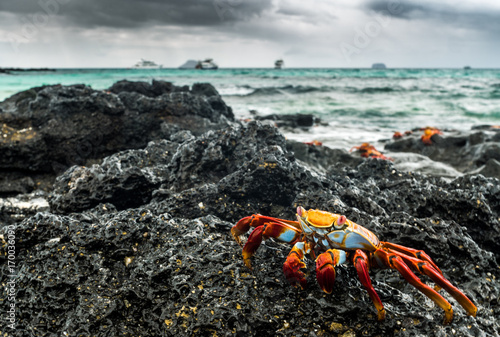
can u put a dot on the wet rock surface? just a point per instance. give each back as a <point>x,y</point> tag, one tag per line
<point>292,120</point>
<point>138,244</point>
<point>474,152</point>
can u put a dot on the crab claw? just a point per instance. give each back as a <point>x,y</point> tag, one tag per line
<point>292,272</point>
<point>325,268</point>
<point>294,262</point>
<point>241,228</point>
<point>253,242</point>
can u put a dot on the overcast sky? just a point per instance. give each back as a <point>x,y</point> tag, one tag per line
<point>250,33</point>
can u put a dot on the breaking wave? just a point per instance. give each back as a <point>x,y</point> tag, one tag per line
<point>307,89</point>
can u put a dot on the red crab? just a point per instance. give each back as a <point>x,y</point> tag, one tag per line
<point>332,239</point>
<point>314,142</point>
<point>397,135</point>
<point>367,150</point>
<point>428,133</point>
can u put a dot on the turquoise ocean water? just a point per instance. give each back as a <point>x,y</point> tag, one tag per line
<point>358,104</point>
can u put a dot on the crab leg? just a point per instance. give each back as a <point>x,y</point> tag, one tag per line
<point>394,261</point>
<point>277,230</point>
<point>419,254</point>
<point>361,263</point>
<point>294,262</point>
<point>426,268</point>
<point>257,220</point>
<point>325,268</point>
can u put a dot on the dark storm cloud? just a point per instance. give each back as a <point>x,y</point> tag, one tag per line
<point>398,9</point>
<point>480,18</point>
<point>135,13</point>
<point>303,10</point>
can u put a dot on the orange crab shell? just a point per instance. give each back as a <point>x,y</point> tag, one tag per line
<point>321,219</point>
<point>428,133</point>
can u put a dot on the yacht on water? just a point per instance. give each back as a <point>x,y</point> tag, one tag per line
<point>145,64</point>
<point>278,64</point>
<point>207,64</point>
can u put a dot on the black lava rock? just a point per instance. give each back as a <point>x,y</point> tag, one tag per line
<point>291,120</point>
<point>48,129</point>
<point>472,152</point>
<point>154,89</point>
<point>139,244</point>
<point>322,157</point>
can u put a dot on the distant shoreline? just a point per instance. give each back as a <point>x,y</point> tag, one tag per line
<point>9,70</point>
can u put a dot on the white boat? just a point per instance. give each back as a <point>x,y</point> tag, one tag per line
<point>278,64</point>
<point>207,64</point>
<point>145,64</point>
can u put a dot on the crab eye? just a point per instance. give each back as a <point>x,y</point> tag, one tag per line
<point>301,217</point>
<point>341,222</point>
<point>301,211</point>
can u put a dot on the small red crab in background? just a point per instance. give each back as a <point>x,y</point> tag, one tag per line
<point>314,142</point>
<point>397,135</point>
<point>367,150</point>
<point>428,133</point>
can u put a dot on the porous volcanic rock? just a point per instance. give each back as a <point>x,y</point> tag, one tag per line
<point>100,262</point>
<point>46,130</point>
<point>126,179</point>
<point>321,157</point>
